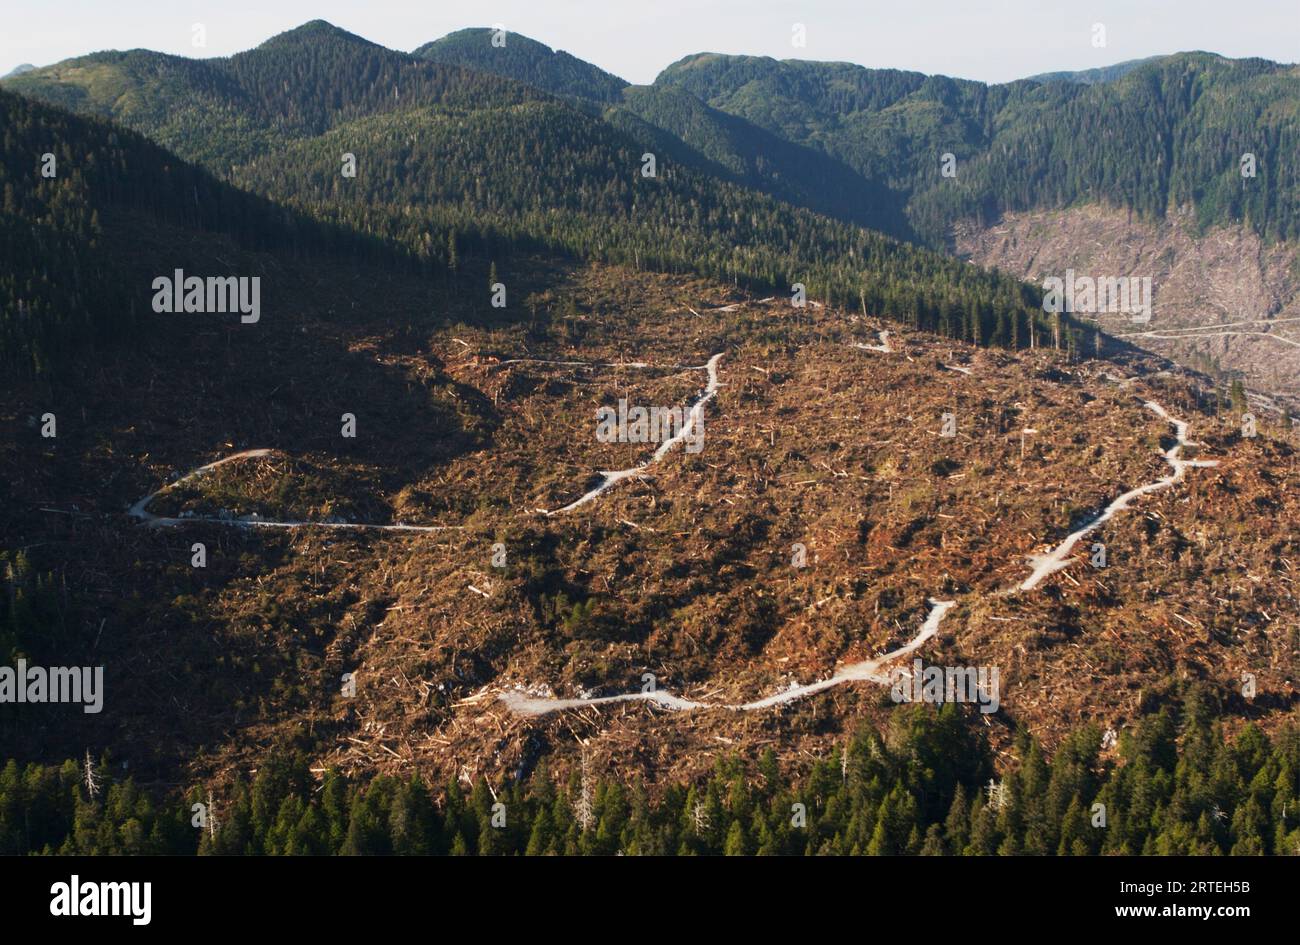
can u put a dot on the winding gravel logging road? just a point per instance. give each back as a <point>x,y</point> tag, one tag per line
<point>1059,557</point>
<point>525,704</point>
<point>610,478</point>
<point>140,511</point>
<point>1218,334</point>
<point>1216,331</point>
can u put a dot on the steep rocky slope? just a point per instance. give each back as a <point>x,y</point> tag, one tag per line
<point>1223,299</point>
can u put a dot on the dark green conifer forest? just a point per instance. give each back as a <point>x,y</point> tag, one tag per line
<point>1174,785</point>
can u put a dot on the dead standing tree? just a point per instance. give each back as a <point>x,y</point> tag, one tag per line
<point>582,811</point>
<point>92,779</point>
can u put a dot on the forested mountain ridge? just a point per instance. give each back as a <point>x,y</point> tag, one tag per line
<point>576,189</point>
<point>734,149</point>
<point>525,60</point>
<point>864,145</point>
<point>230,110</point>
<point>62,177</point>
<point>678,123</point>
<point>455,163</point>
<point>1148,135</point>
<point>1165,133</point>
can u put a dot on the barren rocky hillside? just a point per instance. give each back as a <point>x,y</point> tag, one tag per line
<point>1223,299</point>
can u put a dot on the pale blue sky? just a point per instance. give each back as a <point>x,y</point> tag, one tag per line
<point>991,40</point>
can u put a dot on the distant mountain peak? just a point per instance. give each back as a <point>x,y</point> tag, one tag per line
<point>18,70</point>
<point>483,34</point>
<point>525,60</point>
<point>313,31</point>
